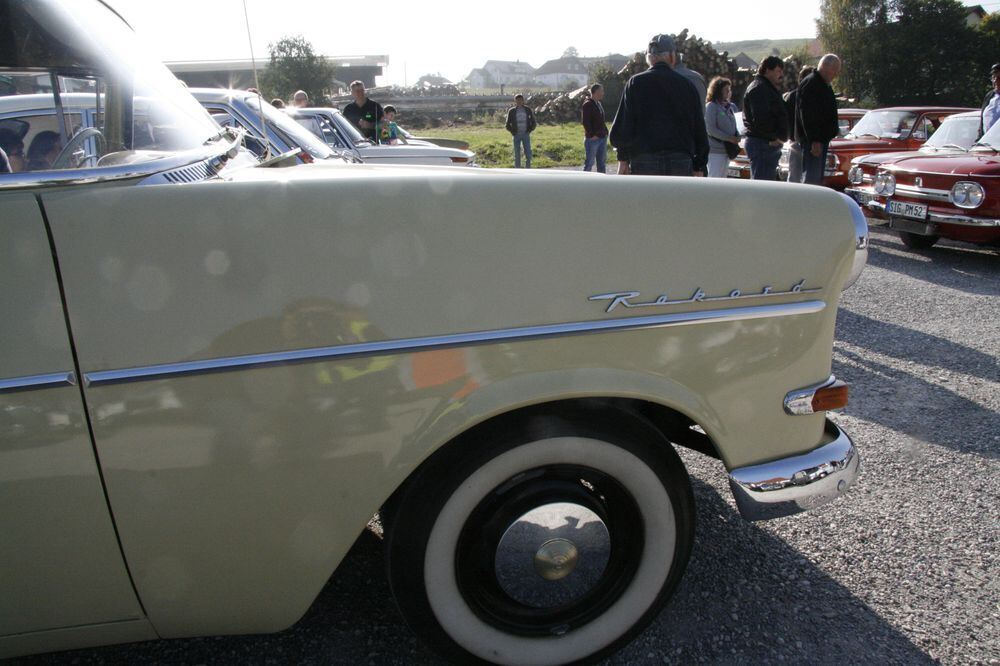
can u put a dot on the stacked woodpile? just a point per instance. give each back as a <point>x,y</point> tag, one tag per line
<point>699,55</point>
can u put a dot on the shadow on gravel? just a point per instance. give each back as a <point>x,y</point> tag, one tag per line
<point>908,344</point>
<point>966,267</point>
<point>747,597</point>
<point>913,406</point>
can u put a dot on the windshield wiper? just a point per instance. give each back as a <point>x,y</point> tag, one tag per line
<point>952,145</point>
<point>983,144</point>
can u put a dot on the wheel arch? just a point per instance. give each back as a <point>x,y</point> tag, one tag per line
<point>674,425</point>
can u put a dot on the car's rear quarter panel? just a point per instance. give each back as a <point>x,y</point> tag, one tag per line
<point>237,493</point>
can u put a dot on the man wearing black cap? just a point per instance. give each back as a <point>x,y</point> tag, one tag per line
<point>991,104</point>
<point>660,124</point>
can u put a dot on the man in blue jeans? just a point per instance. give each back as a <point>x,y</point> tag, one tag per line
<point>660,124</point>
<point>816,118</point>
<point>521,123</point>
<point>766,119</point>
<point>595,130</point>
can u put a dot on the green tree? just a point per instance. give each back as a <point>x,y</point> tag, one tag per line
<point>295,66</point>
<point>613,84</point>
<point>571,52</point>
<point>898,52</point>
<point>934,56</point>
<point>842,27</point>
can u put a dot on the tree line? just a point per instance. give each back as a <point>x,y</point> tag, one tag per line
<point>908,52</point>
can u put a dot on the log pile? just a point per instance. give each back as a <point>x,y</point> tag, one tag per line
<point>699,55</point>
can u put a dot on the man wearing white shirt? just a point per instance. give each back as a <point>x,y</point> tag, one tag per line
<point>991,104</point>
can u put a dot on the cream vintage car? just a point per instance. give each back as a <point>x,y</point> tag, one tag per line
<point>216,371</point>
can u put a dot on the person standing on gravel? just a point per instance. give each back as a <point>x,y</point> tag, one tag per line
<point>660,123</point>
<point>794,149</point>
<point>520,124</point>
<point>816,123</point>
<point>765,119</point>
<point>720,121</point>
<point>595,130</point>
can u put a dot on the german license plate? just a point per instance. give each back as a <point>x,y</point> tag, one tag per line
<point>913,211</point>
<point>732,172</point>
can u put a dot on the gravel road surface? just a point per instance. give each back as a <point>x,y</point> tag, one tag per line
<point>904,570</point>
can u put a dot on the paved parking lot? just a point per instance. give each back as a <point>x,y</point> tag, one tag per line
<point>902,570</point>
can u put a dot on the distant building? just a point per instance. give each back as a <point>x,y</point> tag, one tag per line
<point>743,61</point>
<point>561,71</point>
<point>239,73</point>
<point>974,15</point>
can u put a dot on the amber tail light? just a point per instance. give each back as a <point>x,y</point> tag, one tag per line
<point>831,397</point>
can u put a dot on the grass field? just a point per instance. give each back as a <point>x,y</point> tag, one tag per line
<point>551,145</point>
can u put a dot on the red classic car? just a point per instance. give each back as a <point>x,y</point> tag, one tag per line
<point>899,128</point>
<point>956,135</point>
<point>950,196</point>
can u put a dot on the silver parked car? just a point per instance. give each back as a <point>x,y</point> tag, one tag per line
<point>340,134</point>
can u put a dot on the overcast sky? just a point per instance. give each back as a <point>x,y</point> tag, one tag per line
<point>453,37</point>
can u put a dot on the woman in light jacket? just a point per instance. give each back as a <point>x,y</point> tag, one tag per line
<point>720,121</point>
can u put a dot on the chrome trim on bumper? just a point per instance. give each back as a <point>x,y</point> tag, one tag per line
<point>945,218</point>
<point>32,382</point>
<point>799,401</point>
<point>963,220</point>
<point>408,345</point>
<point>797,483</point>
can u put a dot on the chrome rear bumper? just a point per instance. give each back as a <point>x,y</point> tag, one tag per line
<point>798,483</point>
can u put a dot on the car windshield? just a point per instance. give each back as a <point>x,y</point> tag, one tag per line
<point>348,128</point>
<point>884,125</point>
<point>955,132</point>
<point>295,133</point>
<point>78,90</point>
<point>990,140</point>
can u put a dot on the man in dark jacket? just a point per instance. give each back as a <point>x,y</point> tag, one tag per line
<point>660,122</point>
<point>520,124</point>
<point>990,110</point>
<point>816,118</point>
<point>595,130</point>
<point>765,119</point>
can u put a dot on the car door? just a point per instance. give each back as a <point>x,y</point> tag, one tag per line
<point>60,560</point>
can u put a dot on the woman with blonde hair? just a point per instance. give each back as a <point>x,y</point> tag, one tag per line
<point>720,121</point>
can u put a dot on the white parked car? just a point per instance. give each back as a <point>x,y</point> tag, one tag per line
<point>341,135</point>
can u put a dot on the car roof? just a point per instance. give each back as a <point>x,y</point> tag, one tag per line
<point>921,109</point>
<point>218,94</point>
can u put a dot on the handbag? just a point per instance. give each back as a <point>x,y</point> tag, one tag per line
<point>732,149</point>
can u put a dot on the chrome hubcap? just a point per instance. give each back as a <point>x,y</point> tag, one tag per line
<point>556,559</point>
<point>552,555</point>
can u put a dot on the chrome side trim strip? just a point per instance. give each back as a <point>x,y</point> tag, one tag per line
<point>32,382</point>
<point>797,483</point>
<point>408,345</point>
<point>922,193</point>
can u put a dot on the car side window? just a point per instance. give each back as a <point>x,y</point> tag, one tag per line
<point>223,116</point>
<point>39,132</point>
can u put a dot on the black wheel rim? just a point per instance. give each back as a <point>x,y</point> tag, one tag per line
<point>595,580</point>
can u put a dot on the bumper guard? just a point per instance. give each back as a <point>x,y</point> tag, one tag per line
<point>798,483</point>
